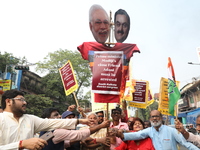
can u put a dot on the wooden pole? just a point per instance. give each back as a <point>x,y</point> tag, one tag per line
<point>75,99</point>
<point>82,113</point>
<point>109,37</point>
<point>110,26</point>
<point>176,110</point>
<point>107,115</point>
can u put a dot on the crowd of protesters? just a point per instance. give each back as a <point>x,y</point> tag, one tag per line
<point>19,130</point>
<point>56,131</point>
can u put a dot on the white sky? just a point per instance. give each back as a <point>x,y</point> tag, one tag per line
<point>160,28</point>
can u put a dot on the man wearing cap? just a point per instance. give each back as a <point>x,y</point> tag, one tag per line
<point>71,136</point>
<point>64,138</point>
<point>73,145</point>
<point>68,115</point>
<point>79,109</point>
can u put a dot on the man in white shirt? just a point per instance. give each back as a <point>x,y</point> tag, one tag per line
<point>17,129</point>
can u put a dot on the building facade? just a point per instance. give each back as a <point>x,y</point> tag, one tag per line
<point>189,105</point>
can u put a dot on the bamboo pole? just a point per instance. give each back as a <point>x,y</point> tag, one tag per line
<point>75,99</point>
<point>82,113</point>
<point>107,115</point>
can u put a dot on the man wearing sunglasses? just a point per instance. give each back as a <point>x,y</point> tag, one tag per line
<point>17,129</point>
<point>100,116</point>
<point>130,120</point>
<point>68,139</point>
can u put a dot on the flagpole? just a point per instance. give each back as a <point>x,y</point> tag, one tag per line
<point>170,66</point>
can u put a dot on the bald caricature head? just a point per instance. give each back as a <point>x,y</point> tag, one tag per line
<point>99,23</point>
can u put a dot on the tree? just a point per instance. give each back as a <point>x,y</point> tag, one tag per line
<point>52,81</point>
<point>37,103</point>
<point>144,114</point>
<point>53,88</point>
<point>6,61</point>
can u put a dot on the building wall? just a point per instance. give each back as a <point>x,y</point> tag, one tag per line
<point>31,83</point>
<point>191,95</point>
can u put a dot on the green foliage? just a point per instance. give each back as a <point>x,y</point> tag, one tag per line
<point>87,95</point>
<point>144,114</point>
<point>141,113</point>
<point>7,59</point>
<point>37,103</point>
<point>52,82</point>
<point>54,89</point>
<point>154,106</point>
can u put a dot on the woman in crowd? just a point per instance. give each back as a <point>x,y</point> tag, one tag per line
<point>145,144</point>
<point>98,139</point>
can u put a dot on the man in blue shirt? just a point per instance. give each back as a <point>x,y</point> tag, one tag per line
<point>163,137</point>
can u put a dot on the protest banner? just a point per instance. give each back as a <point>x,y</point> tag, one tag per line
<point>163,105</point>
<point>140,96</point>
<point>150,98</point>
<point>5,85</point>
<point>107,72</point>
<point>68,78</point>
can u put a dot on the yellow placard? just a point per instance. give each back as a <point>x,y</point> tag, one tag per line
<point>163,105</point>
<point>141,104</point>
<point>68,78</point>
<point>129,89</point>
<point>150,98</point>
<point>5,84</point>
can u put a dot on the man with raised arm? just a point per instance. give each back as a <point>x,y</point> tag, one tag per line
<point>162,136</point>
<point>17,129</point>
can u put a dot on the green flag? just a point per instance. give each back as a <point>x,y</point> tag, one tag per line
<point>174,95</point>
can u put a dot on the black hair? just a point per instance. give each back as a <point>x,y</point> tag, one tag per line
<point>8,95</point>
<point>198,115</point>
<point>148,122</point>
<point>123,12</point>
<point>134,120</point>
<point>192,130</point>
<point>99,112</point>
<point>117,109</point>
<point>47,112</point>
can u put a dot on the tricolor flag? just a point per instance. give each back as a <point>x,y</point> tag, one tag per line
<point>174,93</point>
